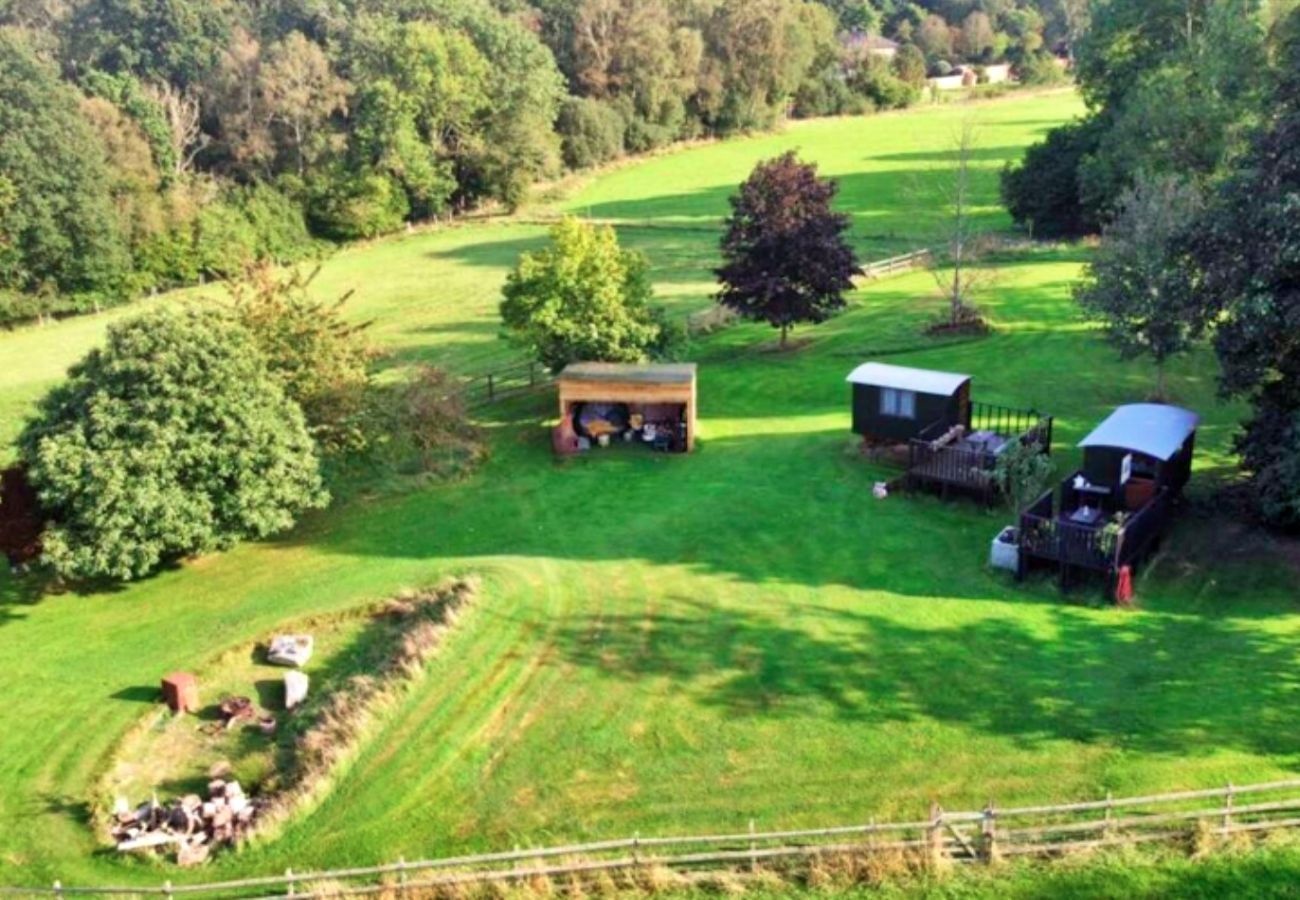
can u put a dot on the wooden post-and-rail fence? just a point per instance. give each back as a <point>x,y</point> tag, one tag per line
<point>942,838</point>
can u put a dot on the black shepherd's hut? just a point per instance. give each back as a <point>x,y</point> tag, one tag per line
<point>896,403</point>
<point>1138,450</point>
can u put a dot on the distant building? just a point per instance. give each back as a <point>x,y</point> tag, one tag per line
<point>968,76</point>
<point>873,44</point>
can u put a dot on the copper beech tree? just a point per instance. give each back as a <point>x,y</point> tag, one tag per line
<point>785,257</point>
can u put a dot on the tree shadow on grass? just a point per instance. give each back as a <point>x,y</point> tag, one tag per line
<point>1153,684</point>
<point>18,591</point>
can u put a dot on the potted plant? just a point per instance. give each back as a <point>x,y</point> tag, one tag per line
<point>1024,472</point>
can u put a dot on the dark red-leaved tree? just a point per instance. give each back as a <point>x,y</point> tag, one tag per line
<point>785,259</point>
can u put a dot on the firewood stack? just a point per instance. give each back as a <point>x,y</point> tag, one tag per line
<point>193,826</point>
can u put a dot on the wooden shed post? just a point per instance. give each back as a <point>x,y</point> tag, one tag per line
<point>690,419</point>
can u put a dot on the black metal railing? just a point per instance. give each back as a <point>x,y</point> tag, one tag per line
<point>1028,424</point>
<point>1047,533</point>
<point>959,465</point>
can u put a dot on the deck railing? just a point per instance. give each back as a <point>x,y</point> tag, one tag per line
<point>968,469</point>
<point>1028,424</point>
<point>1046,534</point>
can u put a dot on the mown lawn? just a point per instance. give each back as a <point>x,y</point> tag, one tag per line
<point>432,296</point>
<point>686,643</point>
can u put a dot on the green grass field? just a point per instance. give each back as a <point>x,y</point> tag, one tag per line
<point>687,643</point>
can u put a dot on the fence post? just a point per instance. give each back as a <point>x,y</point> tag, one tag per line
<point>401,874</point>
<point>1227,807</point>
<point>1109,831</point>
<point>934,836</point>
<point>288,873</point>
<point>58,889</point>
<point>167,890</point>
<point>753,849</point>
<point>989,833</point>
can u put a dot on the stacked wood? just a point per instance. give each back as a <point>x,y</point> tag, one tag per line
<point>190,824</point>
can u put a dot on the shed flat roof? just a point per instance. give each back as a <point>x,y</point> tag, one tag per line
<point>924,381</point>
<point>1155,429</point>
<point>643,373</point>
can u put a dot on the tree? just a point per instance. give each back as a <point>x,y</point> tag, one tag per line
<point>171,440</point>
<point>976,37</point>
<point>301,92</point>
<point>1043,192</point>
<point>1246,252</point>
<point>956,270</point>
<point>758,52</point>
<point>167,41</point>
<point>1135,283</point>
<point>909,65</point>
<point>1171,86</point>
<point>934,37</point>
<point>60,221</point>
<point>184,125</point>
<point>582,298</point>
<point>320,360</point>
<point>785,256</point>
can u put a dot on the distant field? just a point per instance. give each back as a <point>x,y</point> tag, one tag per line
<point>683,644</point>
<point>433,296</point>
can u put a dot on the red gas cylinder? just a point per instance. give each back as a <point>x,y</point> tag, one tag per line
<point>1124,586</point>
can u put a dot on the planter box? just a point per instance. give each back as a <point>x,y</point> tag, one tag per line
<point>1005,550</point>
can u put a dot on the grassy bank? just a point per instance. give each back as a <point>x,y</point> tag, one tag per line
<point>670,644</point>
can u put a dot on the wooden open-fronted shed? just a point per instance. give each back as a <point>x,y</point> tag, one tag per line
<point>654,394</point>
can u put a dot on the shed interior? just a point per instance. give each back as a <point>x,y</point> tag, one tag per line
<point>648,404</point>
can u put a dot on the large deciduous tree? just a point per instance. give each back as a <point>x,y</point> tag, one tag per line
<point>583,298</point>
<point>1136,283</point>
<point>301,92</point>
<point>1171,87</point>
<point>1246,246</point>
<point>171,440</point>
<point>785,257</point>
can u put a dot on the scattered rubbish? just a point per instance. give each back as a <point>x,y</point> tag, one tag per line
<point>191,824</point>
<point>295,688</point>
<point>290,650</point>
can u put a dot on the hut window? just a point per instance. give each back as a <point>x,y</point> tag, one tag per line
<point>900,404</point>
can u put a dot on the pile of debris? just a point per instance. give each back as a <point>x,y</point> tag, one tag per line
<point>192,825</point>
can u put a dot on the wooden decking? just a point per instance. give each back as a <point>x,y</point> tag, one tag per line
<point>964,463</point>
<point>1050,533</point>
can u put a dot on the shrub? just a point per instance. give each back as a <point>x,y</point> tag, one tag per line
<point>1042,192</point>
<point>428,428</point>
<point>1024,474</point>
<point>344,206</point>
<point>171,440</point>
<point>321,360</point>
<point>591,132</point>
<point>224,240</point>
<point>1040,69</point>
<point>279,227</point>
